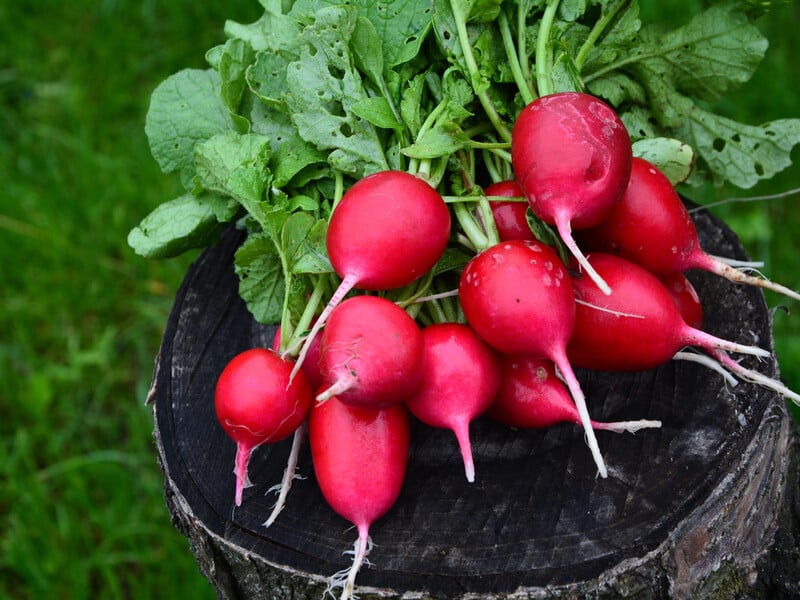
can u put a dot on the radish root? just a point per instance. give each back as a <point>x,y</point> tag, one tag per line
<point>709,362</point>
<point>565,232</point>
<point>756,377</point>
<point>568,376</point>
<point>289,474</point>
<point>346,578</point>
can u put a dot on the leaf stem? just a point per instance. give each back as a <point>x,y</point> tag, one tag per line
<point>599,28</point>
<point>474,72</point>
<point>473,232</point>
<point>522,43</point>
<point>513,60</point>
<point>544,53</point>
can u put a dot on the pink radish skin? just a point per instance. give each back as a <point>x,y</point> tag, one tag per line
<point>510,217</point>
<point>571,155</point>
<point>371,353</point>
<point>518,297</point>
<point>531,396</point>
<point>360,457</point>
<point>388,230</point>
<point>638,327</point>
<point>460,376</point>
<point>685,297</point>
<point>256,404</point>
<point>651,227</point>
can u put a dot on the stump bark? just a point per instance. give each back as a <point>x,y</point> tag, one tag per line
<point>705,507</point>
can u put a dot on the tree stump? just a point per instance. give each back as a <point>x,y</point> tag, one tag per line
<point>705,507</point>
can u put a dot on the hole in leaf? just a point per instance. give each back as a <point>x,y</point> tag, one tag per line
<point>759,169</point>
<point>736,138</point>
<point>719,144</point>
<point>335,72</point>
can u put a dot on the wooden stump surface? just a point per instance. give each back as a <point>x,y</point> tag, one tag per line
<point>706,503</point>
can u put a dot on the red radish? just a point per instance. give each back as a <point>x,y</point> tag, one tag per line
<point>460,376</point>
<point>531,396</point>
<point>388,230</point>
<point>638,327</point>
<point>571,155</point>
<point>256,404</point>
<point>685,297</point>
<point>652,227</point>
<point>371,353</point>
<point>518,297</point>
<point>510,216</point>
<point>360,458</point>
<point>691,310</point>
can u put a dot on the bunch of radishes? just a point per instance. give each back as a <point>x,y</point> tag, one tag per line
<point>524,317</point>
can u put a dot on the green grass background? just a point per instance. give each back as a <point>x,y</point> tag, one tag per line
<point>81,507</point>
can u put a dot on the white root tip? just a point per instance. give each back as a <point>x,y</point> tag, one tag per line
<point>339,386</point>
<point>568,376</point>
<point>757,378</point>
<point>289,474</point>
<point>738,276</point>
<point>628,426</point>
<point>346,578</point>
<point>565,232</point>
<point>709,362</point>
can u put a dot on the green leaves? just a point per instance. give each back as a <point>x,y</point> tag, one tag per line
<point>401,25</point>
<point>316,94</point>
<point>742,154</point>
<point>670,76</point>
<point>181,224</point>
<point>185,109</point>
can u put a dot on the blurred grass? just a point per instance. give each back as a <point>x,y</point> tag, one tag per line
<point>81,507</point>
<point>81,316</point>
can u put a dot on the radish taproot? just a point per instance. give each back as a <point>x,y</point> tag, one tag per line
<point>691,309</point>
<point>571,155</point>
<point>256,404</point>
<point>651,226</point>
<point>388,230</point>
<point>460,376</point>
<point>370,354</point>
<point>360,457</point>
<point>510,216</point>
<point>531,396</point>
<point>518,296</point>
<point>638,327</point>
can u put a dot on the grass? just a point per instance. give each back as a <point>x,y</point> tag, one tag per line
<point>82,512</point>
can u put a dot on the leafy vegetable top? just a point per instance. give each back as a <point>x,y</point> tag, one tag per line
<point>316,94</point>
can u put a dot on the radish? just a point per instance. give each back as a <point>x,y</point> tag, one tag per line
<point>256,404</point>
<point>518,297</point>
<point>510,217</point>
<point>531,396</point>
<point>360,457</point>
<point>688,302</point>
<point>685,297</point>
<point>460,376</point>
<point>388,230</point>
<point>371,353</point>
<point>638,327</point>
<point>571,155</point>
<point>652,227</point>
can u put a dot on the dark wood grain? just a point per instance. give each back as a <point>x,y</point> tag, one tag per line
<point>700,499</point>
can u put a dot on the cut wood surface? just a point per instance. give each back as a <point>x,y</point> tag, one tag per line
<point>706,506</point>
